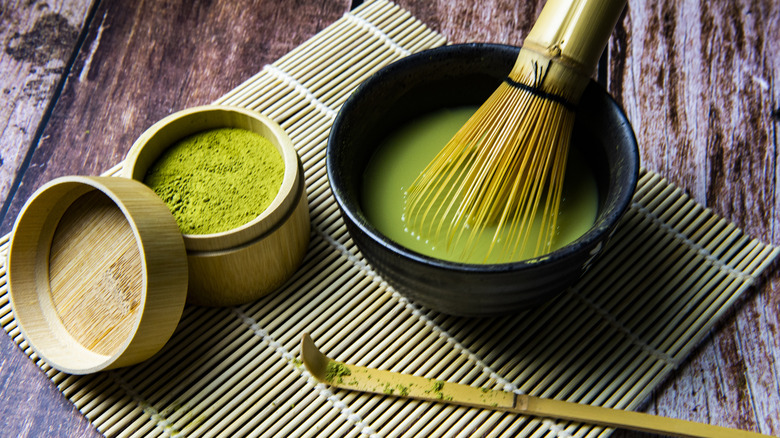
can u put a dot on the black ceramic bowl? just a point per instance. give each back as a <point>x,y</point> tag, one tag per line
<point>460,75</point>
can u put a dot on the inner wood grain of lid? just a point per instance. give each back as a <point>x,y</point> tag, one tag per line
<point>96,291</point>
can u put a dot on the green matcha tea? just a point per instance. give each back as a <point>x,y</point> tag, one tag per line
<point>405,154</point>
<point>217,180</point>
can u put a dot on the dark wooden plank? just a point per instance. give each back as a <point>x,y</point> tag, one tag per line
<point>31,405</point>
<point>495,21</point>
<point>139,61</point>
<point>696,80</point>
<point>39,40</point>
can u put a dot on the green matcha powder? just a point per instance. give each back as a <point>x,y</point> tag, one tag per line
<point>217,180</point>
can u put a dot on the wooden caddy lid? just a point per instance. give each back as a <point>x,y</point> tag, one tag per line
<point>97,273</point>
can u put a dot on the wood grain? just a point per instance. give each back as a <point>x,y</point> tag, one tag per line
<point>697,82</point>
<point>39,40</point>
<point>697,79</point>
<point>98,310</point>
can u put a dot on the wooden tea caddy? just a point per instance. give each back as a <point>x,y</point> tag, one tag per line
<point>99,271</point>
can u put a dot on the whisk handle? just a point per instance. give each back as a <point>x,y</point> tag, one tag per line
<point>575,32</point>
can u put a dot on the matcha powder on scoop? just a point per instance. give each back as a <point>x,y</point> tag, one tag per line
<point>217,180</point>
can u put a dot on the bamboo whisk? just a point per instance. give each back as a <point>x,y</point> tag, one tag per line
<point>504,169</point>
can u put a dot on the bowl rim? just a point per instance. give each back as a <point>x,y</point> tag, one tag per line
<point>590,238</point>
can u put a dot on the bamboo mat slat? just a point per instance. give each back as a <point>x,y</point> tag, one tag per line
<point>671,270</point>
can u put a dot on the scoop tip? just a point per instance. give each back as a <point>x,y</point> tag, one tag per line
<point>313,359</point>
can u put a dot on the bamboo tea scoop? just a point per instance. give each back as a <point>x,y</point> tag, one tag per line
<point>358,378</point>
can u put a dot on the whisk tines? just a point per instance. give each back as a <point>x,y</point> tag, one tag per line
<point>502,172</point>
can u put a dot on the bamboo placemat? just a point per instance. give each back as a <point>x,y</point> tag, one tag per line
<point>671,270</point>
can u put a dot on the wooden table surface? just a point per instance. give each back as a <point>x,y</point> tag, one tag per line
<point>700,82</point>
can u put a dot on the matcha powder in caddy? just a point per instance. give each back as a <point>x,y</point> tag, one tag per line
<point>217,180</point>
